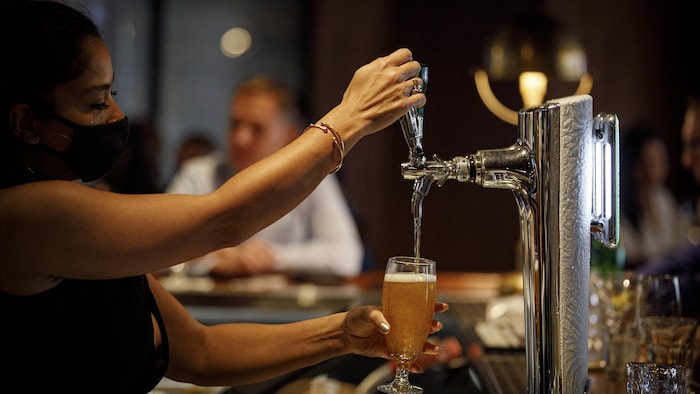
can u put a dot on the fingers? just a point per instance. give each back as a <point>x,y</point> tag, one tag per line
<point>440,351</point>
<point>400,56</point>
<point>417,85</point>
<point>365,321</point>
<point>441,307</point>
<point>431,349</point>
<point>416,100</point>
<point>377,317</point>
<point>408,68</point>
<point>431,352</point>
<point>413,86</point>
<point>382,91</point>
<point>435,327</point>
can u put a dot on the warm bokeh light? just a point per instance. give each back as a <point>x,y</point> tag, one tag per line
<point>533,86</point>
<point>534,49</point>
<point>235,42</point>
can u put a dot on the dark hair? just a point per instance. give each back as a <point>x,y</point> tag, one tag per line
<point>42,44</point>
<point>632,143</point>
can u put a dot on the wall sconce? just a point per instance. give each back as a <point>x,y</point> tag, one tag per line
<point>531,49</point>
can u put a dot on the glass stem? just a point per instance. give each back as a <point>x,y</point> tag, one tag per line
<point>401,383</point>
<point>401,378</point>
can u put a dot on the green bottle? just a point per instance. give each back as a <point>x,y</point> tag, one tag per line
<point>607,260</point>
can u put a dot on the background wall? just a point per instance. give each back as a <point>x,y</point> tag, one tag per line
<point>640,53</point>
<point>196,80</point>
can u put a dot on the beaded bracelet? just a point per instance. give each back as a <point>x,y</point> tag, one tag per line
<point>337,141</point>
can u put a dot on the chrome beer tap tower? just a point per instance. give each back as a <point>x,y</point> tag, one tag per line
<point>540,177</point>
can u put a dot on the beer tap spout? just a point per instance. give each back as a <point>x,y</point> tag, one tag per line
<point>438,170</point>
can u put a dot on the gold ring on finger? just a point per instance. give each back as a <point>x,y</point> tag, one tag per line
<point>417,86</point>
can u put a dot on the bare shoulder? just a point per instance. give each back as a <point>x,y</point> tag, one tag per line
<point>46,194</point>
<point>48,203</point>
<point>28,213</point>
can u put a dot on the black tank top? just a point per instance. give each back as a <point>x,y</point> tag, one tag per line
<point>82,336</point>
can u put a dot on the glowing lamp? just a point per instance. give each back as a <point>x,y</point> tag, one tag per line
<point>532,49</point>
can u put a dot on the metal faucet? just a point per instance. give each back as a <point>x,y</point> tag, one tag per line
<point>531,169</point>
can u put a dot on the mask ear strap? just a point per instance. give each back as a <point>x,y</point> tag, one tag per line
<point>37,146</point>
<point>28,160</point>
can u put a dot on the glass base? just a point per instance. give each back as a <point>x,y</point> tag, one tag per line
<point>400,385</point>
<point>399,389</point>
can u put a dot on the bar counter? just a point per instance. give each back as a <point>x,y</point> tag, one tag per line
<point>285,298</point>
<point>458,287</point>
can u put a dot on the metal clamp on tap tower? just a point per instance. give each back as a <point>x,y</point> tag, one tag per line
<point>563,172</point>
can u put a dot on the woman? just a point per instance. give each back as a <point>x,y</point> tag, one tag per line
<point>652,224</point>
<point>79,310</point>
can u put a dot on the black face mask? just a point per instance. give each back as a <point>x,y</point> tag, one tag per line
<point>94,150</point>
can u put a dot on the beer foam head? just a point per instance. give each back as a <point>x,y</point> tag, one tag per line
<point>408,277</point>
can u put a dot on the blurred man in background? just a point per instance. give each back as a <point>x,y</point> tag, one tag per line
<point>319,236</point>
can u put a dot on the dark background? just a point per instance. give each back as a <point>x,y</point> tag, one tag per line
<point>641,54</point>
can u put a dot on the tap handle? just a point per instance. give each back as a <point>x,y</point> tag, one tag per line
<point>423,75</point>
<point>412,125</point>
<point>606,184</point>
<point>413,134</point>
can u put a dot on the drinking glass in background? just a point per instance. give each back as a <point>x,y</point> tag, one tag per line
<point>657,295</point>
<point>670,340</point>
<point>408,303</point>
<point>618,295</point>
<point>655,378</point>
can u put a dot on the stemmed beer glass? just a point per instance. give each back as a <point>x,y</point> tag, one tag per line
<point>408,303</point>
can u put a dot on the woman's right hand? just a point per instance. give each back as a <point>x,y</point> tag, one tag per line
<point>379,93</point>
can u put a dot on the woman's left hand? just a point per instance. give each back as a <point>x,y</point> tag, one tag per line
<point>366,326</point>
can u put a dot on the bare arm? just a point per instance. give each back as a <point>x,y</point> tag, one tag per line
<point>241,353</point>
<point>59,229</point>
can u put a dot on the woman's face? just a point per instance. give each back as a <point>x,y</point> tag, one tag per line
<point>86,101</point>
